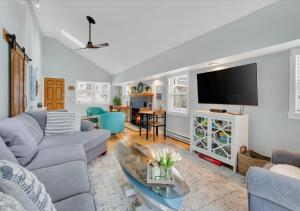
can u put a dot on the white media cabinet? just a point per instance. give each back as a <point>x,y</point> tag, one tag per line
<point>219,135</point>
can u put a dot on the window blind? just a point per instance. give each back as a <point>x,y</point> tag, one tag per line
<point>297,81</point>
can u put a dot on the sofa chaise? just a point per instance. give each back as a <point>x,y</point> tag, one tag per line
<point>268,190</point>
<point>59,161</point>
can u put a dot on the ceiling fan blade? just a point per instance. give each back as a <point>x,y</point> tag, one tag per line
<point>81,49</point>
<point>102,45</point>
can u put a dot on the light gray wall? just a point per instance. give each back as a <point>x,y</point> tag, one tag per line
<point>269,126</point>
<point>61,62</point>
<point>269,26</point>
<point>17,17</point>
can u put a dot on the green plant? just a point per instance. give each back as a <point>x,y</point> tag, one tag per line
<point>117,101</point>
<point>166,159</point>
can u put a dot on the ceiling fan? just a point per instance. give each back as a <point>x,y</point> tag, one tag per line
<point>90,44</point>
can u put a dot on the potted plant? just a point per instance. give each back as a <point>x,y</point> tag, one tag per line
<point>166,160</point>
<point>117,101</point>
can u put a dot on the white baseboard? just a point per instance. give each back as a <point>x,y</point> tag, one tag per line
<point>178,137</point>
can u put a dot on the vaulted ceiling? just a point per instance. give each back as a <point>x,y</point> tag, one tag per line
<point>137,29</point>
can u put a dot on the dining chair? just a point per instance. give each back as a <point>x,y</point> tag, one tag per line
<point>159,119</point>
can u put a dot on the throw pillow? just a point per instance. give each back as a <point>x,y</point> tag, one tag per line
<point>9,203</point>
<point>18,139</point>
<point>287,170</point>
<point>60,123</point>
<point>32,126</point>
<point>23,185</point>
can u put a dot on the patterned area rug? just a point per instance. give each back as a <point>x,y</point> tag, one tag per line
<point>211,187</point>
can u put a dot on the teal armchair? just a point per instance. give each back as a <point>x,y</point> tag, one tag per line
<point>113,121</point>
<point>93,114</point>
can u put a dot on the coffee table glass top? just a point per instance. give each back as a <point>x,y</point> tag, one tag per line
<point>134,159</point>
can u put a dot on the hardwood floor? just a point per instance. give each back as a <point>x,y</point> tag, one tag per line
<point>135,137</point>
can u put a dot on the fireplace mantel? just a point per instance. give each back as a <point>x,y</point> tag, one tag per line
<point>141,95</point>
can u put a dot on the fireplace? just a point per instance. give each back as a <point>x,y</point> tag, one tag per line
<point>135,104</point>
<point>135,117</point>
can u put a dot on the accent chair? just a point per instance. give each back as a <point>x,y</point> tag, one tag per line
<point>113,121</point>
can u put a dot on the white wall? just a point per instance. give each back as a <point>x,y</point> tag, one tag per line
<point>61,62</point>
<point>17,17</point>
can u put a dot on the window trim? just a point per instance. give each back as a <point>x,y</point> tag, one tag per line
<point>178,112</point>
<point>93,102</point>
<point>292,114</point>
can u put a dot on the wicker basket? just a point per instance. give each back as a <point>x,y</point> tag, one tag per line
<point>248,159</point>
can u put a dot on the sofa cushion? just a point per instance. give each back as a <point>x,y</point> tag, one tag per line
<point>18,139</point>
<point>5,153</point>
<point>60,123</point>
<point>40,117</point>
<point>79,202</point>
<point>89,139</point>
<point>32,126</point>
<point>57,155</point>
<point>64,180</point>
<point>24,186</point>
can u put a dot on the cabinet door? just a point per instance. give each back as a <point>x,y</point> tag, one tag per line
<point>200,133</point>
<point>221,138</point>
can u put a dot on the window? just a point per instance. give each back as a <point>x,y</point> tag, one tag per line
<point>294,108</point>
<point>178,94</point>
<point>88,92</point>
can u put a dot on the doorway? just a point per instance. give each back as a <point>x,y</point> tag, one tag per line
<point>54,93</point>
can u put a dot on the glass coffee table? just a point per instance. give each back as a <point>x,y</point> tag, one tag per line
<point>134,159</point>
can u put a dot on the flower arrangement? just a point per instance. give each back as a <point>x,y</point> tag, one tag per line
<point>166,160</point>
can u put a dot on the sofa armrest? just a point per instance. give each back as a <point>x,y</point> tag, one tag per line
<point>276,188</point>
<point>286,157</point>
<point>86,125</point>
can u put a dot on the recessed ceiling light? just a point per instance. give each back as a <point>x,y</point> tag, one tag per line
<point>37,5</point>
<point>72,38</point>
<point>213,64</point>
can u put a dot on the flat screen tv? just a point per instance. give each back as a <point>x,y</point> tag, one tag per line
<point>235,86</point>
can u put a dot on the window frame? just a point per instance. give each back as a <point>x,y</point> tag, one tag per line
<point>171,110</point>
<point>93,100</point>
<point>292,114</point>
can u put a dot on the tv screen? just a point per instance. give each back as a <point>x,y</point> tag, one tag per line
<point>235,86</point>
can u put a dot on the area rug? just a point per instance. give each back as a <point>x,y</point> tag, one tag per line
<point>211,187</point>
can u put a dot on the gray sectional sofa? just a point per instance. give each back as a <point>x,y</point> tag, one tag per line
<point>268,190</point>
<point>59,161</point>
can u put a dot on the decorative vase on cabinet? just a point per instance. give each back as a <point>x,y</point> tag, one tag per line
<point>219,135</point>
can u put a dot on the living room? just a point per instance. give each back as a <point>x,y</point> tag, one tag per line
<point>124,105</point>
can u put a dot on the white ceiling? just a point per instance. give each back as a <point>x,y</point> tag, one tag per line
<point>137,29</point>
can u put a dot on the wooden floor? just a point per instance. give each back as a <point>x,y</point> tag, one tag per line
<point>135,137</point>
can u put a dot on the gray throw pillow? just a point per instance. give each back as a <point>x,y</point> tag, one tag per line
<point>32,126</point>
<point>60,123</point>
<point>5,153</point>
<point>23,185</point>
<point>18,139</point>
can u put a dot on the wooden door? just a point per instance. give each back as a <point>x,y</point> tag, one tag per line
<point>54,93</point>
<point>17,93</point>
